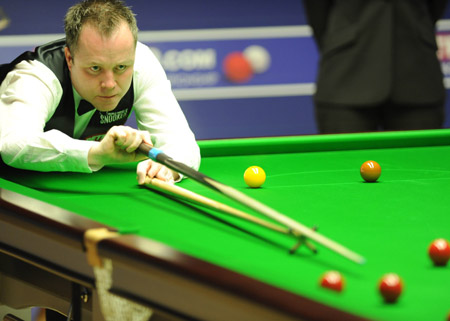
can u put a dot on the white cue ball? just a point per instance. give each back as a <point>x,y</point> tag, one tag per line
<point>259,58</point>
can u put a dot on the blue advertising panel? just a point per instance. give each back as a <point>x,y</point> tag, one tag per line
<point>203,64</point>
<point>241,82</point>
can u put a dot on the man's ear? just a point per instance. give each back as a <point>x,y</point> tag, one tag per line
<point>69,57</point>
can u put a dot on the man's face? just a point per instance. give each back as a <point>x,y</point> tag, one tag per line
<point>101,68</point>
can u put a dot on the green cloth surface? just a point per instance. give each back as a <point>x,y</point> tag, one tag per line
<point>314,180</point>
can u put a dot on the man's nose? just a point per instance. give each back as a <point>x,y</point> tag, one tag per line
<point>108,80</point>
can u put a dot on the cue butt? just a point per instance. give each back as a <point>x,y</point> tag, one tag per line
<point>144,149</point>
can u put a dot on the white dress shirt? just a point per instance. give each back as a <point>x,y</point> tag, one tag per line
<point>31,92</point>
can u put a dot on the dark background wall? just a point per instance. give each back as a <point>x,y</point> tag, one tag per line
<point>46,16</point>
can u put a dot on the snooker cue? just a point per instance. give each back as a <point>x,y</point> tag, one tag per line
<point>162,158</point>
<point>210,203</point>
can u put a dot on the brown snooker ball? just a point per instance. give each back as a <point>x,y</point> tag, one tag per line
<point>370,171</point>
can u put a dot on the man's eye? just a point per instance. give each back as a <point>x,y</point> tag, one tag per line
<point>95,68</point>
<point>121,67</point>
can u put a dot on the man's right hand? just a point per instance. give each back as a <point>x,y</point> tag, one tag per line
<point>118,146</point>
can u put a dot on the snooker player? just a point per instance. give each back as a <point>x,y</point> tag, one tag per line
<point>63,107</point>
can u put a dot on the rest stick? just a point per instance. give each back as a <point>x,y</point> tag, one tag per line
<point>210,203</point>
<point>199,199</point>
<point>157,155</point>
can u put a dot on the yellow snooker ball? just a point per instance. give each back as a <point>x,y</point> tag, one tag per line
<point>254,176</point>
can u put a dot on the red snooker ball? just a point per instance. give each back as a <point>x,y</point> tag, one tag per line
<point>370,171</point>
<point>390,287</point>
<point>237,68</point>
<point>332,280</point>
<point>439,252</point>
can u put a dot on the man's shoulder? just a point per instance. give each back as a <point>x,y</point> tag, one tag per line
<point>142,50</point>
<point>35,69</point>
<point>146,61</point>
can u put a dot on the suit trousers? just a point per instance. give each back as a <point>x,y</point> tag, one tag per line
<point>332,118</point>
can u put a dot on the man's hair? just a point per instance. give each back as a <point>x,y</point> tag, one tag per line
<point>105,15</point>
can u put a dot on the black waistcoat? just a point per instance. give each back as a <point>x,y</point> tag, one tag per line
<point>52,56</point>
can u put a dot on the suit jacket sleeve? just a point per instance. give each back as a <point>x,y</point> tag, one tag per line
<point>437,8</point>
<point>317,15</point>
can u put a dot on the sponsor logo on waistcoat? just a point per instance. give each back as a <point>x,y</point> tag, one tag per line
<point>110,117</point>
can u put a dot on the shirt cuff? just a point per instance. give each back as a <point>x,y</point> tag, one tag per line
<point>79,152</point>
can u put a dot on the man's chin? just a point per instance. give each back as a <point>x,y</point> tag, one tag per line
<point>105,107</point>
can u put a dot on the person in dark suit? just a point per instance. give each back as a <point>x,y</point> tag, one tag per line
<point>378,67</point>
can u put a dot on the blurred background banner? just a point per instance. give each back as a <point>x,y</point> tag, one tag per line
<point>443,42</point>
<point>238,68</point>
<point>279,60</point>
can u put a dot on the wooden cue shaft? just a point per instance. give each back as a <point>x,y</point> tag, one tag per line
<point>210,203</point>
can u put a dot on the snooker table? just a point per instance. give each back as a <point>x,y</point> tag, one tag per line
<point>189,262</point>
